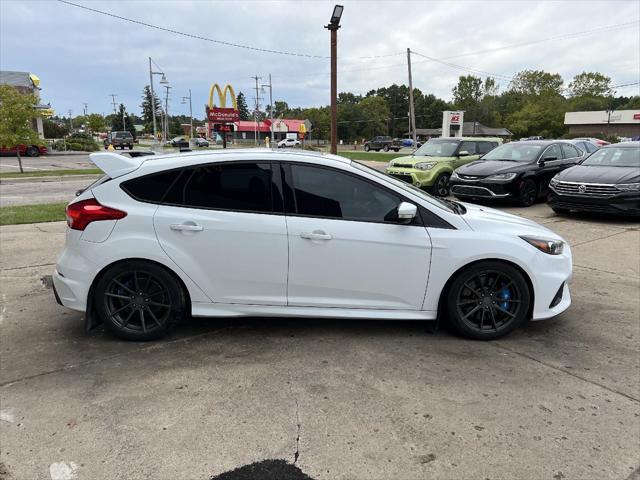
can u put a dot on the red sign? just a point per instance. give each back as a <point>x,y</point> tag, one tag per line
<point>455,118</point>
<point>225,128</point>
<point>636,116</point>
<point>219,115</point>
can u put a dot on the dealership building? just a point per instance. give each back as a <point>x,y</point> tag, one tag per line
<point>622,123</point>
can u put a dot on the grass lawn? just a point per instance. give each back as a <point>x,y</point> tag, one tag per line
<point>372,156</point>
<point>48,212</point>
<point>50,173</point>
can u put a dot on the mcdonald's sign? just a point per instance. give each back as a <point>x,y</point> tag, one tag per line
<point>221,113</point>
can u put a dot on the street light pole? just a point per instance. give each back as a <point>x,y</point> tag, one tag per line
<point>270,106</point>
<point>333,26</point>
<point>163,81</point>
<point>190,114</point>
<point>412,111</point>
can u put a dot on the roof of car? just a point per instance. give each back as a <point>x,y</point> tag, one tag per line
<point>471,139</point>
<point>540,142</point>
<point>623,145</point>
<point>243,152</point>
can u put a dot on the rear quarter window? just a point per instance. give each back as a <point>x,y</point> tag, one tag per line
<point>150,188</point>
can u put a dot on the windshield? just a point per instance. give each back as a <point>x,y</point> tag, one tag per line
<point>438,148</point>
<point>405,186</point>
<point>515,152</point>
<point>614,157</point>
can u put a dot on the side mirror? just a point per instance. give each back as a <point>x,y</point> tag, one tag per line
<point>407,212</point>
<point>463,153</point>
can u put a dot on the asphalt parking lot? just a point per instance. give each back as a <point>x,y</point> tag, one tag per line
<point>335,399</point>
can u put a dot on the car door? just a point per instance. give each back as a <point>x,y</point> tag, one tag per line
<point>551,162</point>
<point>345,248</point>
<point>223,225</point>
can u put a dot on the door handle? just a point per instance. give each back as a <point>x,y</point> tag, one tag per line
<point>316,235</point>
<point>186,227</point>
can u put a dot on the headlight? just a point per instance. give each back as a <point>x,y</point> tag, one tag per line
<point>554,181</point>
<point>454,175</point>
<point>552,247</point>
<point>628,187</point>
<point>502,177</point>
<point>425,165</point>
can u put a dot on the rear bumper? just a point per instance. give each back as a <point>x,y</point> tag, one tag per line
<point>623,204</point>
<point>72,279</point>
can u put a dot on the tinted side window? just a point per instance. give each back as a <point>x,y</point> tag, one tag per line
<point>468,146</point>
<point>322,192</point>
<point>570,151</point>
<point>231,186</point>
<point>150,188</point>
<point>484,147</point>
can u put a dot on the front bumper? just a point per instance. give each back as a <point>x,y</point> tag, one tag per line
<point>621,204</point>
<point>417,178</point>
<point>475,189</point>
<point>551,276</point>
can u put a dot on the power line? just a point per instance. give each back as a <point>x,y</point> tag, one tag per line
<point>461,67</point>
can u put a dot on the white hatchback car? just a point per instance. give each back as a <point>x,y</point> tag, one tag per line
<point>289,142</point>
<point>271,233</point>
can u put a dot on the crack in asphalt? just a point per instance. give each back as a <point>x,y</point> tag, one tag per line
<point>618,274</point>
<point>296,455</point>
<point>157,346</point>
<point>626,230</point>
<point>575,375</point>
<point>27,266</point>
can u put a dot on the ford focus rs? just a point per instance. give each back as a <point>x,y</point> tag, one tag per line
<point>273,233</point>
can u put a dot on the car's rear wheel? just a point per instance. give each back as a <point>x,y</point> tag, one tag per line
<point>528,193</point>
<point>32,151</point>
<point>488,300</point>
<point>441,185</point>
<point>139,300</point>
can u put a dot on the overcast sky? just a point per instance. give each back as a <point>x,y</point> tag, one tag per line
<point>83,56</point>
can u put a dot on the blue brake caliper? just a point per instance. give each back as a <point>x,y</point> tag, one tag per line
<point>504,296</point>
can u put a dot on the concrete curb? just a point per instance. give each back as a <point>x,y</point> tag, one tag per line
<point>53,178</point>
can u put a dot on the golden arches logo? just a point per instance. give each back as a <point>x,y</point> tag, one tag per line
<point>222,96</point>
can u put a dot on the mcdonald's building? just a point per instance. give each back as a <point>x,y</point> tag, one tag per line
<point>223,117</point>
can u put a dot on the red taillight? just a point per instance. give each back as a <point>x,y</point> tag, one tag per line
<point>81,214</point>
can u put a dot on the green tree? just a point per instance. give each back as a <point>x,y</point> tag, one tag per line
<point>95,122</point>
<point>54,129</point>
<point>632,104</point>
<point>116,121</point>
<point>592,84</point>
<point>543,115</point>
<point>536,82</point>
<point>243,109</point>
<point>376,113</point>
<point>280,109</point>
<point>147,108</point>
<point>17,110</point>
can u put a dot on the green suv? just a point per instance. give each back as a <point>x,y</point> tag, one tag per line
<point>430,166</point>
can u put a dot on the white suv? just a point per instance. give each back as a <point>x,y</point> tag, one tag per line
<point>288,142</point>
<point>267,233</point>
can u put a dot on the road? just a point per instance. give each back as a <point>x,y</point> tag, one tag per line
<point>47,162</point>
<point>559,399</point>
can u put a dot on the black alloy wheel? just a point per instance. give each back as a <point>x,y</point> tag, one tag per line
<point>441,185</point>
<point>32,151</point>
<point>488,300</point>
<point>528,193</point>
<point>386,148</point>
<point>139,301</point>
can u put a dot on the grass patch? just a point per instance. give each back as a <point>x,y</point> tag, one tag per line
<point>372,156</point>
<point>48,212</point>
<point>50,173</point>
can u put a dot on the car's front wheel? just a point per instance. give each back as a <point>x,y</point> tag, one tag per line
<point>139,300</point>
<point>386,148</point>
<point>488,300</point>
<point>441,185</point>
<point>367,148</point>
<point>32,151</point>
<point>528,193</point>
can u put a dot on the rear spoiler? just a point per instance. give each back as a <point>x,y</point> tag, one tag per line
<point>114,164</point>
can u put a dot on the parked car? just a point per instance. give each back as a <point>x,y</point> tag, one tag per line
<point>517,170</point>
<point>180,142</point>
<point>607,181</point>
<point>288,142</point>
<point>595,141</point>
<point>201,142</point>
<point>268,233</point>
<point>586,146</point>
<point>383,143</point>
<point>119,139</point>
<point>431,166</point>
<point>25,150</point>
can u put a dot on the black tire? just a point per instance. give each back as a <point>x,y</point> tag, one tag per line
<point>386,148</point>
<point>488,300</point>
<point>32,151</point>
<point>440,187</point>
<point>396,149</point>
<point>367,148</point>
<point>139,300</point>
<point>528,193</point>
<point>561,211</point>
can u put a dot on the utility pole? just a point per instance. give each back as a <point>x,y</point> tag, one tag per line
<point>412,112</point>
<point>257,110</point>
<point>85,108</point>
<point>190,113</point>
<point>124,124</point>
<point>333,26</point>
<point>166,112</point>
<point>270,106</point>
<point>113,102</point>
<point>70,123</point>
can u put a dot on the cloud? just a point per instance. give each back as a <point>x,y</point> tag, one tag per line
<point>83,56</point>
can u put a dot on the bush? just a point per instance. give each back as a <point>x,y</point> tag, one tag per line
<point>77,143</point>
